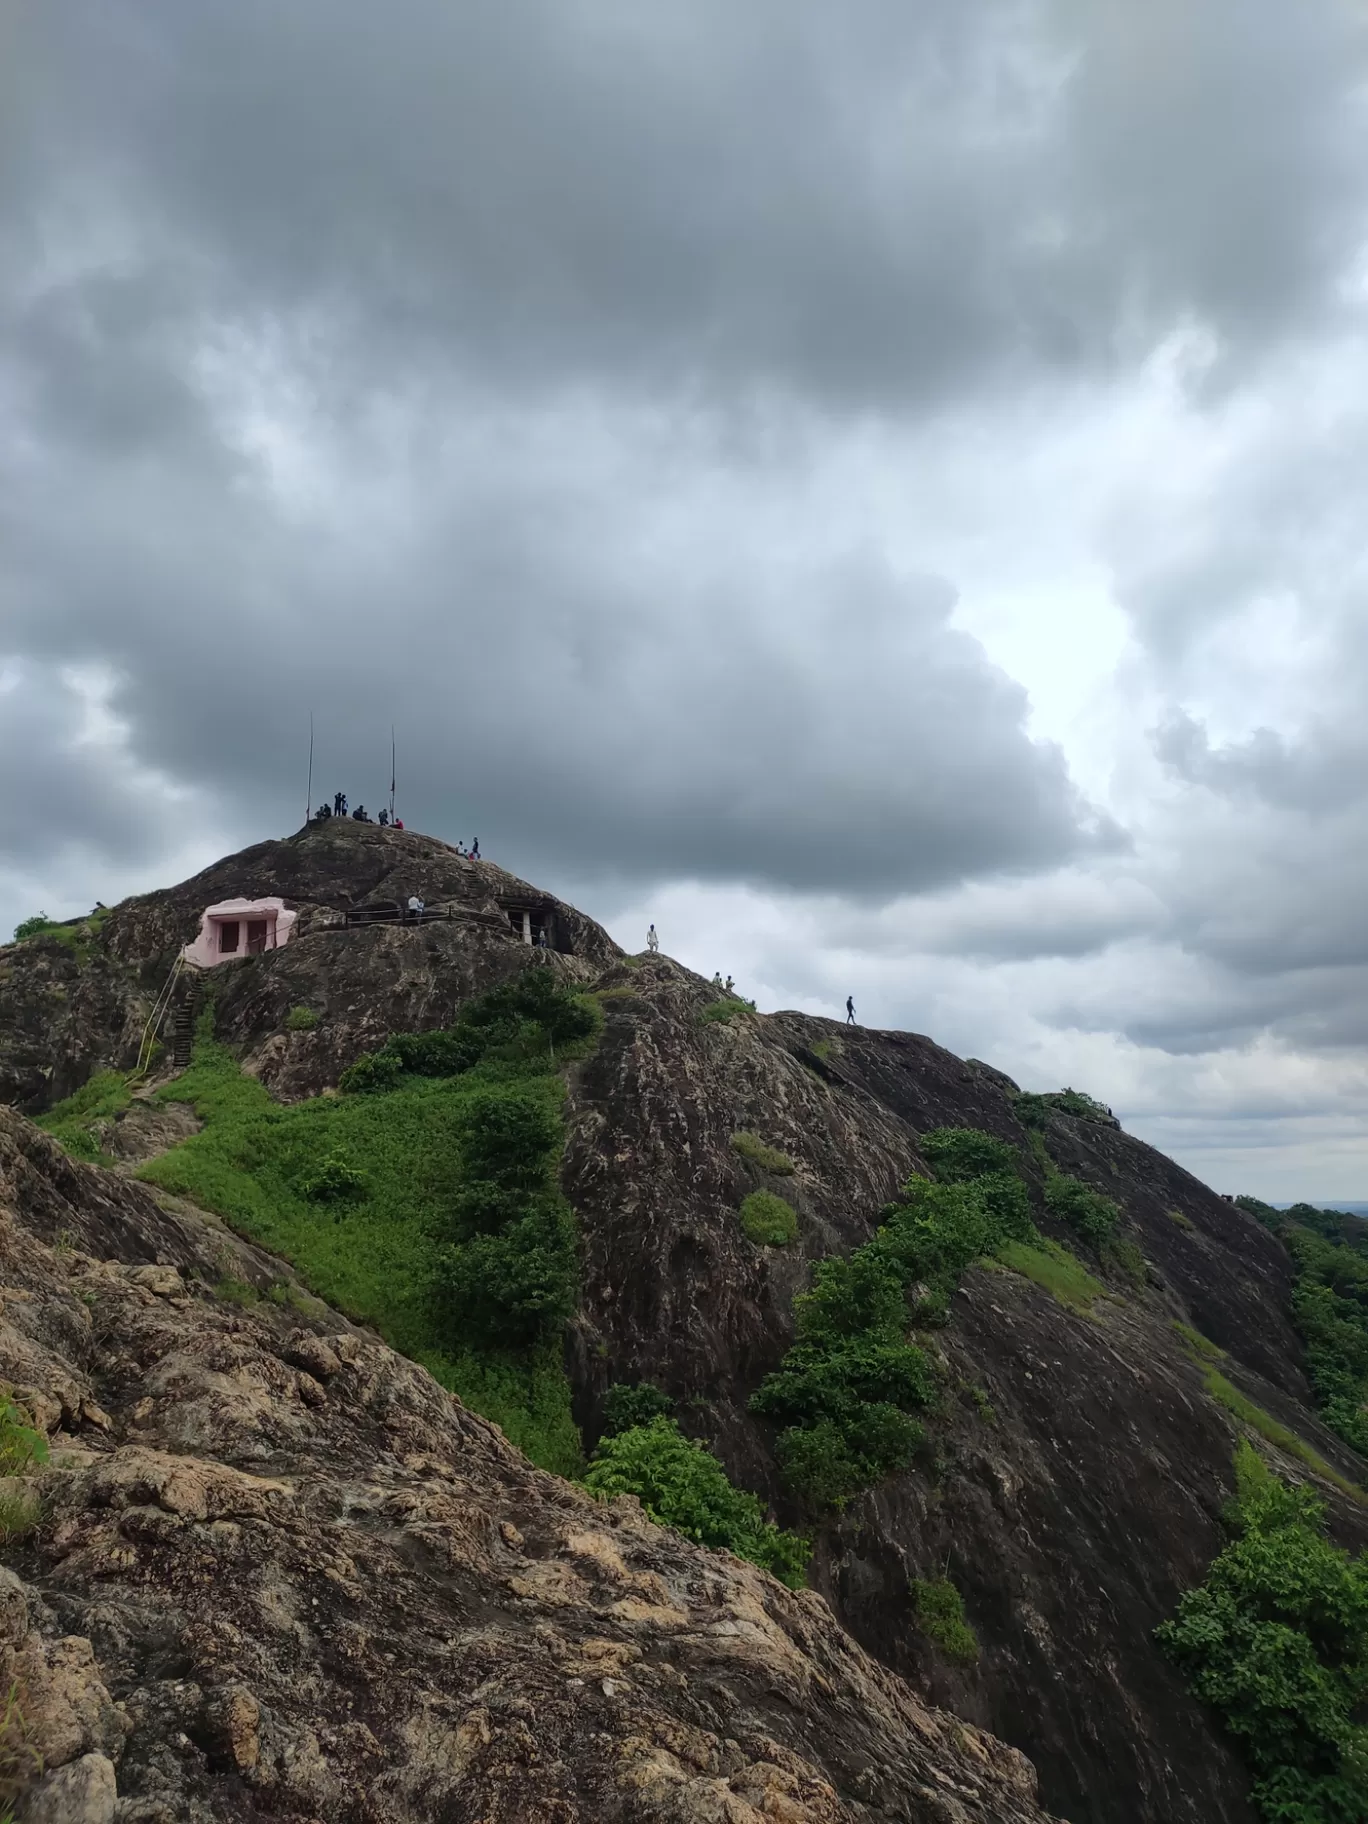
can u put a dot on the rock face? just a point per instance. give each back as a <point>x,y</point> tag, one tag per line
<point>1071,1516</point>
<point>281,1574</point>
<point>1079,1461</point>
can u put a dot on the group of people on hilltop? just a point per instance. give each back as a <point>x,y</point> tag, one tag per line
<point>338,808</point>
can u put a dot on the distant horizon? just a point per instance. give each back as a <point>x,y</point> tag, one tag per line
<point>1347,1206</point>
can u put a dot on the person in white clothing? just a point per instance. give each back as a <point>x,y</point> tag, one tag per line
<point>652,941</point>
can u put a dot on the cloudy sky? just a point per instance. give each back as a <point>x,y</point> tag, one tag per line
<point>878,489</point>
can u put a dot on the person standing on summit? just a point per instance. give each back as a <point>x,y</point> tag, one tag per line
<point>850,1010</point>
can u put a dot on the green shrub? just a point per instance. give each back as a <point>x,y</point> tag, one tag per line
<point>725,1010</point>
<point>768,1220</point>
<point>301,1019</point>
<point>32,927</point>
<point>681,1484</point>
<point>22,1447</point>
<point>846,1392</point>
<point>940,1615</point>
<point>526,1020</point>
<point>331,1179</point>
<point>1276,1641</point>
<point>768,1158</point>
<point>625,1408</point>
<point>1033,1110</point>
<point>1178,1217</point>
<point>371,1074</point>
<point>510,1288</point>
<point>959,1154</point>
<point>1088,1212</point>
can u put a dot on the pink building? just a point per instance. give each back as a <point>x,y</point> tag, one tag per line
<point>240,927</point>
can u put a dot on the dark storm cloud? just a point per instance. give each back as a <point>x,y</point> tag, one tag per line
<point>442,364</point>
<point>61,790</point>
<point>834,728</point>
<point>869,207</point>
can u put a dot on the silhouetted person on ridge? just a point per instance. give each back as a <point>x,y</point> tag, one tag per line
<point>652,941</point>
<point>339,804</point>
<point>850,1010</point>
<point>729,984</point>
<point>384,818</point>
<point>475,849</point>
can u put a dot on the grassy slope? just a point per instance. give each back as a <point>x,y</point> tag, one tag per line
<point>367,1255</point>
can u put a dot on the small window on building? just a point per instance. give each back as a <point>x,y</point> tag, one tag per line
<point>229,931</point>
<point>256,936</point>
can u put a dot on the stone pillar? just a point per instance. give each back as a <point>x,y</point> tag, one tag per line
<point>527,927</point>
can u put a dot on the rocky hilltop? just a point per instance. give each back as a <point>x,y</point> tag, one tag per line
<point>1079,1454</point>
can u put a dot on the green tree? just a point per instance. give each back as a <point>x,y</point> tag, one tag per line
<point>682,1484</point>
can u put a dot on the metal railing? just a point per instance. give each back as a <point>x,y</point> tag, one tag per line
<point>161,1007</point>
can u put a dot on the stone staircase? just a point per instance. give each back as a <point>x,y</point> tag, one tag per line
<point>180,1027</point>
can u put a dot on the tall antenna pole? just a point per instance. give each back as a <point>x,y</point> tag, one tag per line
<point>308,807</point>
<point>391,772</point>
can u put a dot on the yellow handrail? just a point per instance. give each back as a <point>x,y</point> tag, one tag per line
<point>154,1019</point>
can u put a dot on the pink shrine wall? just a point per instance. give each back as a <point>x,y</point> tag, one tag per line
<point>233,917</point>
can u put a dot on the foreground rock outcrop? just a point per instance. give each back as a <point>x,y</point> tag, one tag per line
<point>279,1573</point>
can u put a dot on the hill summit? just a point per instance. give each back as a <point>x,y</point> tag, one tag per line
<point>975,1365</point>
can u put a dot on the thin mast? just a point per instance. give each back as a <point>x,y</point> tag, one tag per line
<point>391,772</point>
<point>308,805</point>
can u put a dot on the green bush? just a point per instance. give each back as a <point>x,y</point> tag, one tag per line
<point>725,1010</point>
<point>1033,1110</point>
<point>331,1179</point>
<point>511,1288</point>
<point>22,1447</point>
<point>624,1407</point>
<point>1088,1212</point>
<point>940,1615</point>
<point>371,1074</point>
<point>1276,1641</point>
<point>957,1155</point>
<point>768,1220</point>
<point>32,927</point>
<point>847,1391</point>
<point>769,1159</point>
<point>527,1020</point>
<point>301,1019</point>
<point>681,1484</point>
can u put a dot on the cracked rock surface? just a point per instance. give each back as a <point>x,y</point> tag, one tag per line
<point>281,1574</point>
